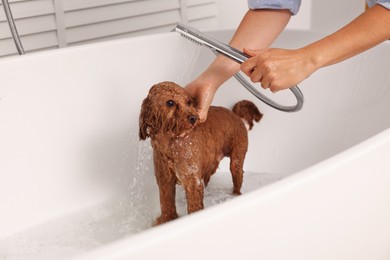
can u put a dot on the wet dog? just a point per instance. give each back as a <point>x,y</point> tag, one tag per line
<point>187,152</point>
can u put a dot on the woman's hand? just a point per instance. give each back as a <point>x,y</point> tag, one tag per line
<point>203,92</point>
<point>277,69</point>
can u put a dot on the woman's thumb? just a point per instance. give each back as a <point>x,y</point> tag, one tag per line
<point>202,114</point>
<point>252,52</point>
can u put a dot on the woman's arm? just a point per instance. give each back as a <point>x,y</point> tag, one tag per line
<point>279,69</point>
<point>258,29</point>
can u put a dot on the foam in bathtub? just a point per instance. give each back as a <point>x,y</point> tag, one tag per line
<point>80,232</point>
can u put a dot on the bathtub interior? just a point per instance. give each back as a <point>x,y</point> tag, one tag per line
<point>74,175</point>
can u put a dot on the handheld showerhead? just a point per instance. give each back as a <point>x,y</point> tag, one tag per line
<point>238,56</point>
<point>216,46</point>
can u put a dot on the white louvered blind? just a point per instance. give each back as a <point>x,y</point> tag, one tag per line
<point>48,24</point>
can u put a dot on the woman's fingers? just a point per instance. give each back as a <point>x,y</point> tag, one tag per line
<point>203,93</point>
<point>276,69</point>
<point>252,69</point>
<point>250,64</point>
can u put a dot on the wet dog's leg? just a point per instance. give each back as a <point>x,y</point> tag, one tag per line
<point>166,181</point>
<point>236,166</point>
<point>194,189</point>
<point>167,203</point>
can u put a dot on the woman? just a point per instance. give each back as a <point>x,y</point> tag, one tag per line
<point>279,69</point>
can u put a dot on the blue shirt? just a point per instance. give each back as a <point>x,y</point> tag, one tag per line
<point>293,5</point>
<point>384,3</point>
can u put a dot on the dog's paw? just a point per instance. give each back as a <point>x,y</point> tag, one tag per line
<point>163,219</point>
<point>236,192</point>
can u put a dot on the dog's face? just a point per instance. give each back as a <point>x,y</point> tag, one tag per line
<point>167,109</point>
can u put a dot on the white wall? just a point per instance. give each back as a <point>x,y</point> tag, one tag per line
<point>331,15</point>
<point>230,13</point>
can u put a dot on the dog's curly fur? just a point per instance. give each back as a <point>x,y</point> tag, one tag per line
<point>187,152</point>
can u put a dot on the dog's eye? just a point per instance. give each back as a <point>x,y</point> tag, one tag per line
<point>170,103</point>
<point>189,102</point>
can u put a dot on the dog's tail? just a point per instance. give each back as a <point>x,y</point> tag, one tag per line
<point>248,112</point>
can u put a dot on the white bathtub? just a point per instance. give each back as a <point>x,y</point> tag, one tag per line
<point>76,183</point>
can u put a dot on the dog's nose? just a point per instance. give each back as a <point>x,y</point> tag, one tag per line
<point>192,119</point>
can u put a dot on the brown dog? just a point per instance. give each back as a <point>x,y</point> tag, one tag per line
<point>188,153</point>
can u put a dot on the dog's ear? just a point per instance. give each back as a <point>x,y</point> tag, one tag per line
<point>144,119</point>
